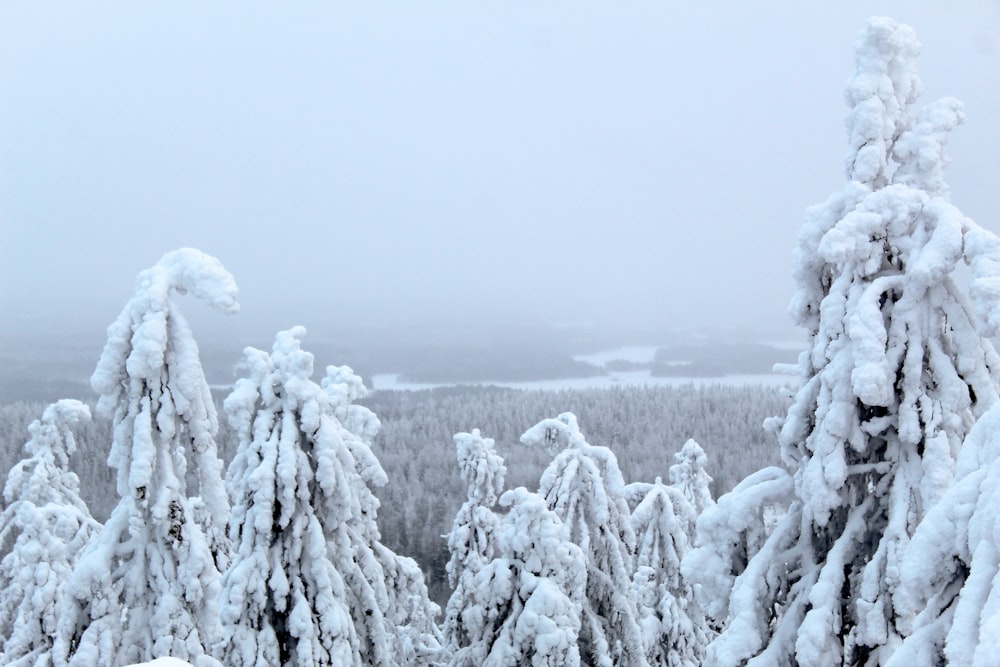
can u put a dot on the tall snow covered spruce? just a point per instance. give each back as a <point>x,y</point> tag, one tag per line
<point>309,583</point>
<point>690,477</point>
<point>673,625</point>
<point>473,538</point>
<point>896,373</point>
<point>147,585</point>
<point>399,586</point>
<point>525,605</point>
<point>48,524</point>
<point>584,487</point>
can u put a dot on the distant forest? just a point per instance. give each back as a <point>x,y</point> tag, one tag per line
<point>644,426</point>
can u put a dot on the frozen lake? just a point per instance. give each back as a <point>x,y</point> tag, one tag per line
<point>390,381</point>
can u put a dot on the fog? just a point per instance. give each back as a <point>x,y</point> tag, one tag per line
<point>447,164</point>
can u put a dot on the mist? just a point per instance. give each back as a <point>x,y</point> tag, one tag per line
<point>426,167</point>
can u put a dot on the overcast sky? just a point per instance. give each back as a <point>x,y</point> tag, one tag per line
<point>424,161</point>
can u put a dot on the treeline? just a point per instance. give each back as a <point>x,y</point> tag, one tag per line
<point>643,425</point>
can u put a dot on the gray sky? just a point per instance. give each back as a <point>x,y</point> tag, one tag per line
<point>522,162</point>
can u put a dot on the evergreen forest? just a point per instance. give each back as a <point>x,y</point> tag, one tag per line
<point>299,519</point>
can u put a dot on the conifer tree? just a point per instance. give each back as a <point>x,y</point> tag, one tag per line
<point>948,601</point>
<point>689,475</point>
<point>473,538</point>
<point>728,537</point>
<point>309,583</point>
<point>895,375</point>
<point>146,587</point>
<point>525,605</point>
<point>585,488</point>
<point>400,589</point>
<point>46,523</point>
<point>673,625</point>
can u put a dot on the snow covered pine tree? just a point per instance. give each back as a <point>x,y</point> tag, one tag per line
<point>49,524</point>
<point>473,538</point>
<point>146,587</point>
<point>585,488</point>
<point>307,585</point>
<point>894,378</point>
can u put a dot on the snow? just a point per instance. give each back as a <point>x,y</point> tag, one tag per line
<point>391,382</point>
<point>584,486</point>
<point>473,539</point>
<point>45,525</point>
<point>948,596</point>
<point>896,376</point>
<point>148,583</point>
<point>309,575</point>
<point>525,605</point>
<point>639,354</point>
<point>688,475</point>
<point>880,544</point>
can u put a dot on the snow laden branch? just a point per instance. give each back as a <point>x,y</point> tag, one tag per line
<point>897,371</point>
<point>310,583</point>
<point>948,601</point>
<point>525,605</point>
<point>688,475</point>
<point>584,487</point>
<point>45,525</point>
<point>473,538</point>
<point>147,586</point>
<point>672,622</point>
<point>149,377</point>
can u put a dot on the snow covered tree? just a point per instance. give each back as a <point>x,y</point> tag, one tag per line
<point>400,590</point>
<point>673,625</point>
<point>344,386</point>
<point>308,580</point>
<point>584,487</point>
<point>49,524</point>
<point>472,541</point>
<point>895,375</point>
<point>689,475</point>
<point>729,535</point>
<point>948,600</point>
<point>147,585</point>
<point>525,605</point>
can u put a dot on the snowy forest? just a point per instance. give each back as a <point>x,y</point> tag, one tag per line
<point>300,520</point>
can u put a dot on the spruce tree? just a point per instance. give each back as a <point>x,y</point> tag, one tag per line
<point>948,602</point>
<point>146,587</point>
<point>584,486</point>
<point>309,583</point>
<point>688,475</point>
<point>473,538</point>
<point>46,524</point>
<point>673,625</point>
<point>526,604</point>
<point>895,375</point>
